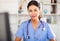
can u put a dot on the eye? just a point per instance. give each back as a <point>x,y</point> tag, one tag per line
<point>30,10</point>
<point>35,10</point>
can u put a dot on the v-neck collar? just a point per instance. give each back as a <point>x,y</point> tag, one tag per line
<point>39,23</point>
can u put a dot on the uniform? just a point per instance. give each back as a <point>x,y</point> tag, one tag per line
<point>41,34</point>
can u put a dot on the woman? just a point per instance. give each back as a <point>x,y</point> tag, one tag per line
<point>34,29</point>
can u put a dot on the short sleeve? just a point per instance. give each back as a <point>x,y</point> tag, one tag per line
<point>50,33</point>
<point>19,32</point>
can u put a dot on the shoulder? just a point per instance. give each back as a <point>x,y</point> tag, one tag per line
<point>46,24</point>
<point>24,23</point>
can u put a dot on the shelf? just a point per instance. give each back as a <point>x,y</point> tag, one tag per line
<point>23,15</point>
<point>42,14</point>
<point>13,14</point>
<point>51,14</point>
<point>50,4</point>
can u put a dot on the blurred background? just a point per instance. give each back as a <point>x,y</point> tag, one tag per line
<point>13,12</point>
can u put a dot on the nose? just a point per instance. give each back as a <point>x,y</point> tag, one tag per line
<point>33,12</point>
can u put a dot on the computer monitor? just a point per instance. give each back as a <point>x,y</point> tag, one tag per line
<point>5,34</point>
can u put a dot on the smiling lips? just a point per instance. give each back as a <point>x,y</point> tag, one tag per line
<point>33,16</point>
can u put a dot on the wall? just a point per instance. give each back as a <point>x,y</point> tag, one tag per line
<point>9,5</point>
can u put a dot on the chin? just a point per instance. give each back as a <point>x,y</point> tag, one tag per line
<point>33,18</point>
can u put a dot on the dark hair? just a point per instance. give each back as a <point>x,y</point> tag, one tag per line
<point>33,2</point>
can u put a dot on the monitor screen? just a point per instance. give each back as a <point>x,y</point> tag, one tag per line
<point>5,34</point>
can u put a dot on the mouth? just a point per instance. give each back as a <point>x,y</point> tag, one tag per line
<point>33,16</point>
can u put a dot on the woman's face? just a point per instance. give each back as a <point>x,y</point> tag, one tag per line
<point>33,12</point>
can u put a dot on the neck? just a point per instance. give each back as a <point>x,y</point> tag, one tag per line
<point>34,21</point>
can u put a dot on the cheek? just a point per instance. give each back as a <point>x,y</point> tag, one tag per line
<point>37,13</point>
<point>30,14</point>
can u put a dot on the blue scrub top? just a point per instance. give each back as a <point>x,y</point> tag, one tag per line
<point>37,35</point>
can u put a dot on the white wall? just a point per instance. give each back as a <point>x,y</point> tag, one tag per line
<point>9,5</point>
<point>13,25</point>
